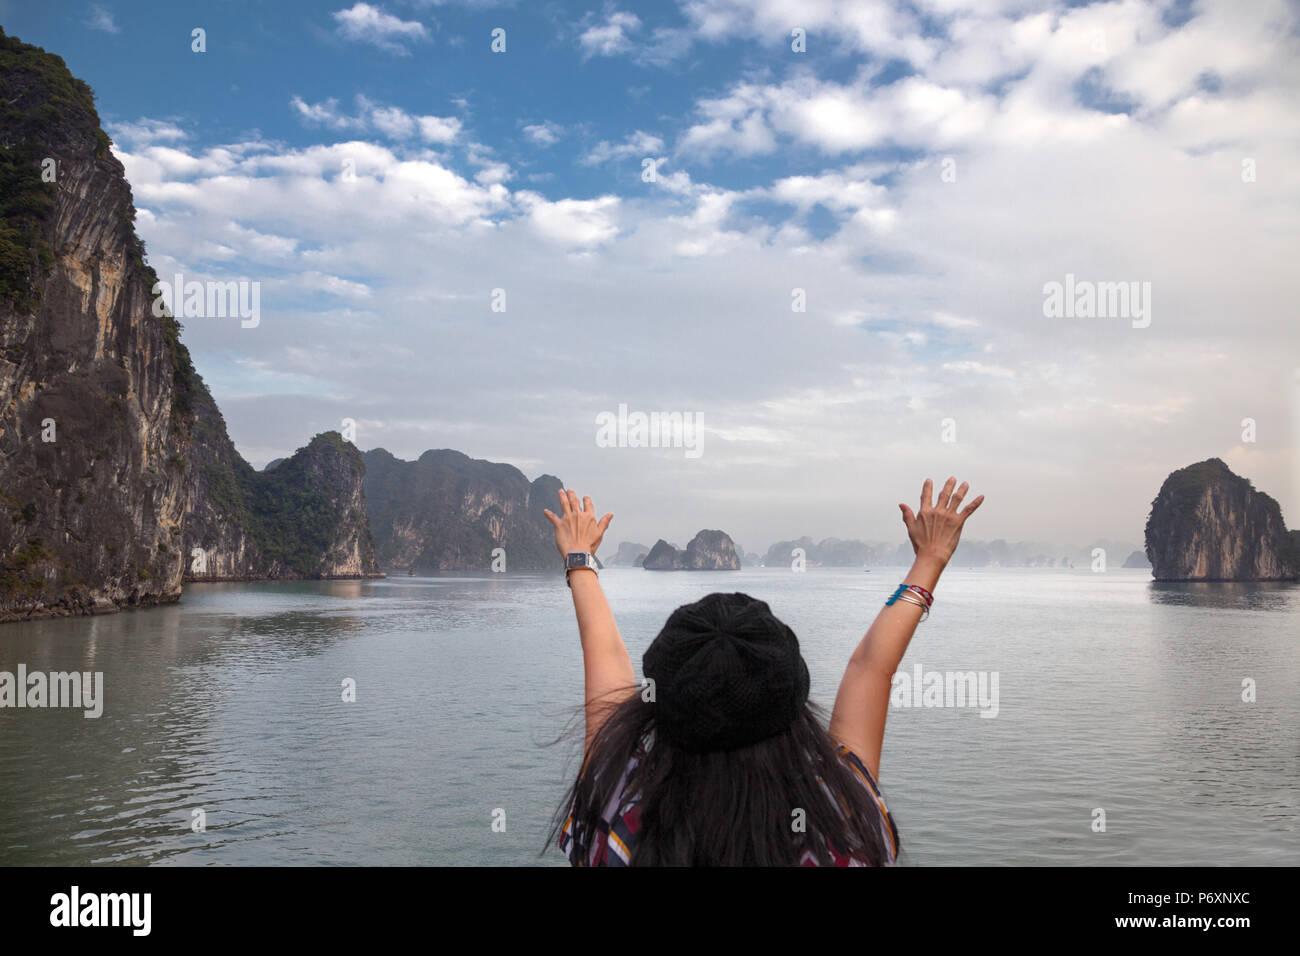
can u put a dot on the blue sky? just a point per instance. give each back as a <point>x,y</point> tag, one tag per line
<point>263,54</point>
<point>920,171</point>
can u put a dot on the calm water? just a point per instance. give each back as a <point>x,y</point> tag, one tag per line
<point>1113,693</point>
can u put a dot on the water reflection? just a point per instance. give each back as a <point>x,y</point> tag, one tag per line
<point>1227,595</point>
<point>190,690</point>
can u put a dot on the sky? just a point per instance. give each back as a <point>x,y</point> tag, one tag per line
<point>825,232</point>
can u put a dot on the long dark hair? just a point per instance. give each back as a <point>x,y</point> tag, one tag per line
<point>728,807</point>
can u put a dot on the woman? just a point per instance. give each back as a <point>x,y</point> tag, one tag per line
<point>718,758</point>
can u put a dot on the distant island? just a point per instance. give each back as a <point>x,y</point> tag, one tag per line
<point>629,555</point>
<point>972,553</point>
<point>707,551</point>
<point>446,511</point>
<point>1208,524</point>
<point>1138,559</point>
<point>303,518</point>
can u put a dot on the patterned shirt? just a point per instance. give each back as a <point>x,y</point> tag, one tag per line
<point>616,841</point>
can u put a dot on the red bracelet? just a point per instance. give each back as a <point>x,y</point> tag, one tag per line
<point>929,598</point>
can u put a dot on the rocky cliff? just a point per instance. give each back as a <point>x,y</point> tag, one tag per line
<point>1137,559</point>
<point>109,441</point>
<point>707,551</point>
<point>95,391</point>
<point>1208,524</point>
<point>449,512</point>
<point>663,557</point>
<point>304,518</point>
<point>628,555</point>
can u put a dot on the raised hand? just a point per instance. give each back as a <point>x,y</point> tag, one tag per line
<point>862,704</point>
<point>576,528</point>
<point>936,528</point>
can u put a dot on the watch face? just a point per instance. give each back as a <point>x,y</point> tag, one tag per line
<point>576,559</point>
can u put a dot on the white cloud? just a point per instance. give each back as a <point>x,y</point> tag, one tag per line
<point>325,113</point>
<point>883,29</point>
<point>735,123</point>
<point>638,145</point>
<point>545,133</point>
<point>313,281</point>
<point>393,122</point>
<point>949,321</point>
<point>979,368</point>
<point>611,37</point>
<point>848,189</point>
<point>836,118</point>
<point>261,244</point>
<point>494,173</point>
<point>145,131</point>
<point>578,223</point>
<point>367,24</point>
<point>390,121</point>
<point>439,129</point>
<point>101,18</point>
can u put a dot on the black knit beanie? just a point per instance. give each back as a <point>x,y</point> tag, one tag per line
<point>727,673</point>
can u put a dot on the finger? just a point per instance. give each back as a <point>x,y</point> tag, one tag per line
<point>587,506</point>
<point>550,516</point>
<point>573,502</point>
<point>603,524</point>
<point>970,508</point>
<point>942,502</point>
<point>958,495</point>
<point>925,493</point>
<point>564,502</point>
<point>908,516</point>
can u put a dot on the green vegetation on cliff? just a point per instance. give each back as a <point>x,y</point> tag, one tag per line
<point>39,95</point>
<point>1209,524</point>
<point>109,513</point>
<point>42,106</point>
<point>291,515</point>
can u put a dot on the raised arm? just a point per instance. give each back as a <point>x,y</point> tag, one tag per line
<point>606,665</point>
<point>862,704</point>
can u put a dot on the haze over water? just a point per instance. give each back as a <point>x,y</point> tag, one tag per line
<point>1113,693</point>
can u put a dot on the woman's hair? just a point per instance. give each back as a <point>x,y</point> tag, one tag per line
<point>724,808</point>
<point>711,790</point>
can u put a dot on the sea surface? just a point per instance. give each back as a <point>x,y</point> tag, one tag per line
<point>1115,696</point>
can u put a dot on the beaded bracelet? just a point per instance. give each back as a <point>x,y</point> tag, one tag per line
<point>929,598</point>
<point>906,594</point>
<point>914,588</point>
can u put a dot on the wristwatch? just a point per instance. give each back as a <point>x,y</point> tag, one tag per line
<point>578,559</point>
